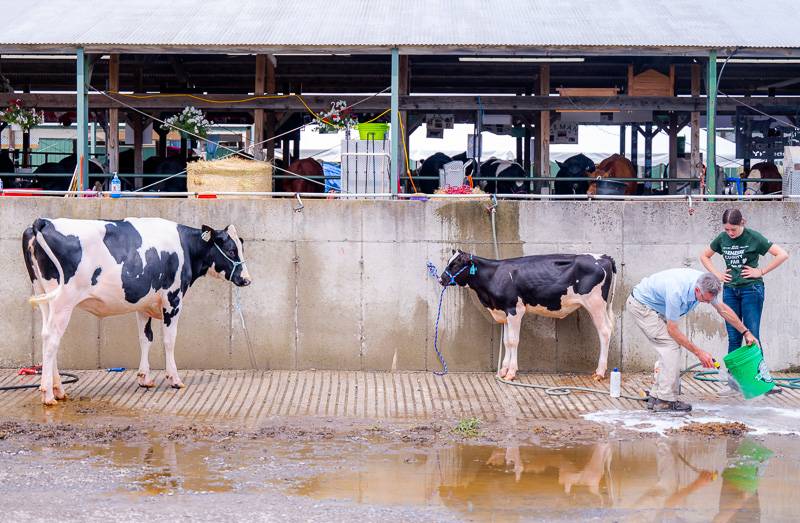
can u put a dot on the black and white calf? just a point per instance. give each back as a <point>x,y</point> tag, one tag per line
<point>552,285</point>
<point>141,265</point>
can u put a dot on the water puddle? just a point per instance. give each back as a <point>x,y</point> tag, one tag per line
<point>654,478</point>
<point>690,479</point>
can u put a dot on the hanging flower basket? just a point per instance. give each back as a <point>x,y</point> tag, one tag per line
<point>339,117</point>
<point>190,121</point>
<point>17,115</point>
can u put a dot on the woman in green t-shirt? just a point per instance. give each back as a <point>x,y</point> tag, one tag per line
<point>744,287</point>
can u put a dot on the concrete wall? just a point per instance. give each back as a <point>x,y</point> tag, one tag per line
<point>343,285</point>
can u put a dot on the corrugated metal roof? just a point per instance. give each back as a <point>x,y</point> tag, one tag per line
<point>465,24</point>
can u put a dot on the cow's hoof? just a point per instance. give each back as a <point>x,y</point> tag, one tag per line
<point>511,376</point>
<point>49,402</point>
<point>598,377</point>
<point>59,394</point>
<point>502,373</point>
<point>146,383</point>
<point>175,382</point>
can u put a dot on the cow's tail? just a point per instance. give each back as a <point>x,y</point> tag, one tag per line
<point>47,296</point>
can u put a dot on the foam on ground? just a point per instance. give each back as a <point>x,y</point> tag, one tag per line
<point>761,420</point>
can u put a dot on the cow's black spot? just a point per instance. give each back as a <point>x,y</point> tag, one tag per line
<point>148,329</point>
<point>158,270</point>
<point>174,297</point>
<point>168,315</point>
<point>96,274</point>
<point>66,248</point>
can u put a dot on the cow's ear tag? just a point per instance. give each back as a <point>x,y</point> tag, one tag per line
<point>473,270</point>
<point>206,236</point>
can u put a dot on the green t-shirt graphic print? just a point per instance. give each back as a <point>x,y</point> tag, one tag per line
<point>741,251</point>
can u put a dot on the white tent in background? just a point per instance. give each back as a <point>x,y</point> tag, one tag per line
<point>596,142</point>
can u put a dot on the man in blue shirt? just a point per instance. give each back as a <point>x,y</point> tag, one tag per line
<point>657,303</point>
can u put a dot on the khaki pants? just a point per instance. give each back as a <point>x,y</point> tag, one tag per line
<point>668,367</point>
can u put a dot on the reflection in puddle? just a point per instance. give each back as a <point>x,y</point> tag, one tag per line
<point>691,479</point>
<point>162,467</point>
<point>698,479</point>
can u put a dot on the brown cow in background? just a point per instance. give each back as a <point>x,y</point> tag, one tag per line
<point>615,166</point>
<point>764,170</point>
<point>307,167</point>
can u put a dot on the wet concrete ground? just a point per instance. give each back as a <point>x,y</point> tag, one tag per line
<point>346,478</point>
<point>92,459</point>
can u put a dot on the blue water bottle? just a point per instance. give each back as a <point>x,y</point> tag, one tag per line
<point>116,187</point>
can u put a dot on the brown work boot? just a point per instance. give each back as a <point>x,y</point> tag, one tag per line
<point>671,406</point>
<point>773,390</point>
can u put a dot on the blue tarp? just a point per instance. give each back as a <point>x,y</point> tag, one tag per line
<point>333,175</point>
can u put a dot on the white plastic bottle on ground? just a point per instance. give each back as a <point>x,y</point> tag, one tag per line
<point>616,383</point>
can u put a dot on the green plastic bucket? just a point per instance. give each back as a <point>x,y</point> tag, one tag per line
<point>746,365</point>
<point>372,131</point>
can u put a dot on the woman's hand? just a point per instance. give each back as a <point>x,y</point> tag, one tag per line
<point>751,272</point>
<point>749,339</point>
<point>724,277</point>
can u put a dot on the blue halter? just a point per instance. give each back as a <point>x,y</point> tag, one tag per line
<point>234,263</point>
<point>472,271</point>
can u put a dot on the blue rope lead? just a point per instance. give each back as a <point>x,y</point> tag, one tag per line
<point>436,336</point>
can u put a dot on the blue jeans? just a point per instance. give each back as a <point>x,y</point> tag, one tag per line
<point>747,303</point>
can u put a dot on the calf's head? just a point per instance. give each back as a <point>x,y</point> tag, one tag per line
<point>226,250</point>
<point>458,269</point>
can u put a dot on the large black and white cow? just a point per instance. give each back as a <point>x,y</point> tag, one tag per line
<point>551,285</point>
<point>497,171</point>
<point>141,265</point>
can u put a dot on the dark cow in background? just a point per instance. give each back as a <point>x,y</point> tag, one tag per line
<point>6,166</point>
<point>493,168</point>
<point>141,265</point>
<point>615,166</point>
<point>497,170</point>
<point>167,166</point>
<point>552,285</point>
<point>764,170</point>
<point>577,166</point>
<point>430,167</point>
<point>64,166</point>
<point>306,167</point>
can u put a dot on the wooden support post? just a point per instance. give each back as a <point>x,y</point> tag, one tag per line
<point>519,139</point>
<point>635,147</point>
<point>673,146</point>
<point>112,138</point>
<point>695,153</point>
<point>270,121</point>
<point>622,139</point>
<point>287,152</point>
<point>258,114</point>
<point>296,145</point>
<point>26,149</point>
<point>93,139</point>
<point>526,148</point>
<point>137,125</point>
<point>541,157</point>
<point>162,142</point>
